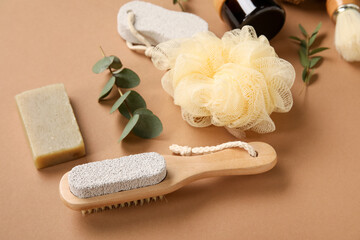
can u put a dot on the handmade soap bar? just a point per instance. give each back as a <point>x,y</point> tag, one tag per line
<point>50,125</point>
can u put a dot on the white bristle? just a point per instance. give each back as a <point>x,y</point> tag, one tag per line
<point>347,34</point>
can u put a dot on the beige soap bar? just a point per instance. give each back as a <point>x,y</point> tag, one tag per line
<point>50,125</point>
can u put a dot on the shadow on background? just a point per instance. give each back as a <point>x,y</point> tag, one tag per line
<point>183,203</point>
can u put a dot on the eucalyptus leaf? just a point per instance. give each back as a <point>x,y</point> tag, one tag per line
<point>303,58</point>
<point>120,101</point>
<point>116,71</point>
<point>295,38</point>
<point>307,81</point>
<point>129,126</point>
<point>116,63</point>
<point>304,74</point>
<point>312,40</point>
<point>305,52</point>
<point>107,89</point>
<point>317,29</point>
<point>148,126</point>
<point>102,65</point>
<point>314,61</point>
<point>133,101</point>
<point>127,78</point>
<point>143,111</point>
<point>317,50</point>
<point>303,44</point>
<point>124,111</point>
<point>130,104</point>
<point>303,31</point>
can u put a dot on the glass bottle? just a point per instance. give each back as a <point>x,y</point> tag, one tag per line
<point>266,16</point>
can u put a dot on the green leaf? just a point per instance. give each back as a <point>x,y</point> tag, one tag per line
<point>295,38</point>
<point>307,81</point>
<point>314,61</point>
<point>303,58</point>
<point>148,126</point>
<point>317,50</point>
<point>312,39</point>
<point>116,63</point>
<point>303,44</point>
<point>143,111</point>
<point>106,62</point>
<point>133,102</point>
<point>102,65</point>
<point>304,74</point>
<point>314,34</point>
<point>303,31</point>
<point>175,2</point>
<point>127,78</point>
<point>317,29</point>
<point>124,111</point>
<point>129,126</point>
<point>120,101</point>
<point>107,89</point>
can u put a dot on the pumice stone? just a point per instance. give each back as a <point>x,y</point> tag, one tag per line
<point>158,24</point>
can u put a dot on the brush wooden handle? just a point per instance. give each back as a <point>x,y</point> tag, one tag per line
<point>333,5</point>
<point>180,172</point>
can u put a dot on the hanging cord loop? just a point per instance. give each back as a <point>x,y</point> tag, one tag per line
<point>146,47</point>
<point>187,151</point>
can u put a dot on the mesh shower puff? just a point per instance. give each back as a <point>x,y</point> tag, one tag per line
<point>236,81</point>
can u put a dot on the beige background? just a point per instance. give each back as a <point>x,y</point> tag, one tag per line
<point>313,192</point>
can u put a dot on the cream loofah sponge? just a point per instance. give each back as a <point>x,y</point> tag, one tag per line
<point>236,81</point>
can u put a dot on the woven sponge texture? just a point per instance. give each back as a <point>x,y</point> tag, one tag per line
<point>236,81</point>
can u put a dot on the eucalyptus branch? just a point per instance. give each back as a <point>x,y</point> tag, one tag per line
<point>119,89</point>
<point>306,52</point>
<point>142,122</point>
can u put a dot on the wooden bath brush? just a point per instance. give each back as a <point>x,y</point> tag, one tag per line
<point>146,177</point>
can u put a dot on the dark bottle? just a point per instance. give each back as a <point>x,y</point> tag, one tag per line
<point>266,16</point>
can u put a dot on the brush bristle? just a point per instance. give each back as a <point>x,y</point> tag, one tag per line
<point>139,202</point>
<point>347,35</point>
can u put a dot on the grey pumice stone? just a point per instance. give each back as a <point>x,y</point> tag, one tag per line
<point>158,24</point>
<point>115,175</point>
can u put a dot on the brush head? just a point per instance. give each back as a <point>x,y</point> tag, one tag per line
<point>115,175</point>
<point>347,34</point>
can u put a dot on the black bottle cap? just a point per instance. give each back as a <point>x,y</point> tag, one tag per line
<point>266,16</point>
